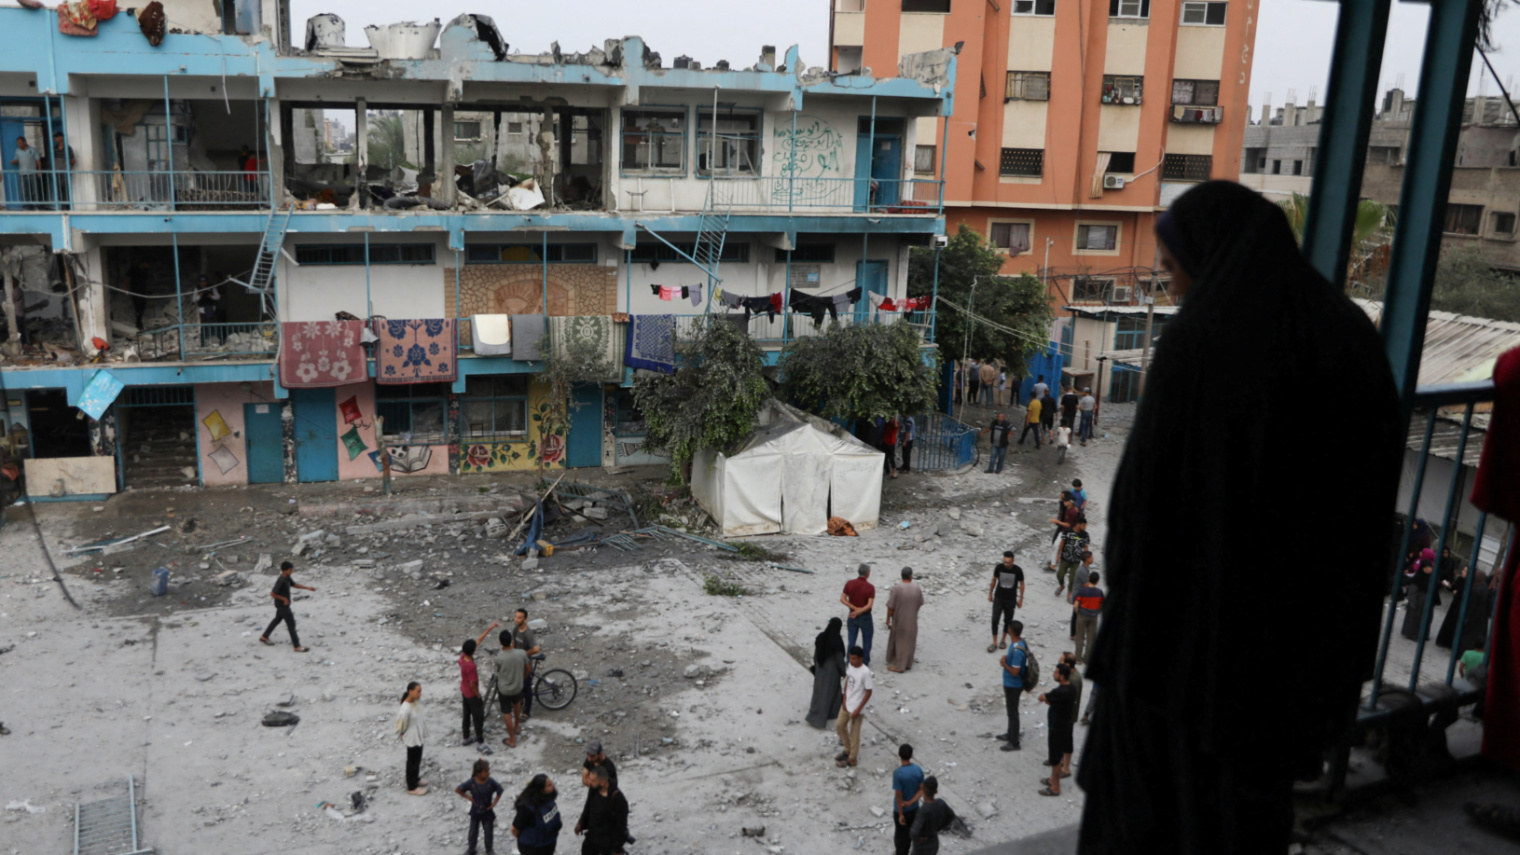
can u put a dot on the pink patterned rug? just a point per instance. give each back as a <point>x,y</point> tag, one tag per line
<point>319,354</point>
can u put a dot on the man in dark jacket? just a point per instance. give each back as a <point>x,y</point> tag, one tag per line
<point>604,821</point>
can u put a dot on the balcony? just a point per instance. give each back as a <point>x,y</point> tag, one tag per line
<point>192,342</point>
<point>151,190</point>
<point>781,194</point>
<point>1188,114</point>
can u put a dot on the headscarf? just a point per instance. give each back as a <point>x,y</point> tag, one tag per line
<point>1205,475</point>
<point>829,643</point>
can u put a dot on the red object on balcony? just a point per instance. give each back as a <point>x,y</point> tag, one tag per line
<point>1497,491</point>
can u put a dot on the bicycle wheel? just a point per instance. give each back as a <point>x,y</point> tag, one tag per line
<point>556,689</point>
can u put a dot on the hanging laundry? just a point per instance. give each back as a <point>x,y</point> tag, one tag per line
<point>853,294</point>
<point>650,343</point>
<point>695,292</point>
<point>732,301</point>
<point>667,292</point>
<point>876,299</point>
<point>814,307</point>
<point>152,22</point>
<point>755,305</point>
<point>775,303</point>
<point>655,289</point>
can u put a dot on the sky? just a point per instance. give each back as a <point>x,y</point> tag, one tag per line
<point>1293,38</point>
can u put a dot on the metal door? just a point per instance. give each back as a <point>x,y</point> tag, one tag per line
<point>584,445</point>
<point>878,170</point>
<point>266,447</point>
<point>316,417</point>
<point>871,276</point>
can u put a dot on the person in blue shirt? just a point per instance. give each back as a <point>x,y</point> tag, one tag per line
<point>1078,494</point>
<point>1013,683</point>
<point>482,792</point>
<point>537,823</point>
<point>907,794</point>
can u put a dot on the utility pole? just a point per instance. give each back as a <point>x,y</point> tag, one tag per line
<point>965,350</point>
<point>1098,398</point>
<point>1145,346</point>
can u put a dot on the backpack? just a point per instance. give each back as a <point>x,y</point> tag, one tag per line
<point>1073,547</point>
<point>1030,673</point>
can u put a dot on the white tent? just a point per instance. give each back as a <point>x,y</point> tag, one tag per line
<point>790,476</point>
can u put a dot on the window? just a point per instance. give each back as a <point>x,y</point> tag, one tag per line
<point>1187,167</point>
<point>1298,167</point>
<point>1091,289</point>
<point>1028,86</point>
<point>1012,238</point>
<point>923,159</point>
<point>412,413</point>
<point>353,253</point>
<point>645,253</point>
<point>816,253</point>
<point>1276,167</point>
<point>1463,219</point>
<point>940,6</point>
<point>1121,162</point>
<point>1022,161</point>
<point>1202,93</point>
<point>654,140</point>
<point>1384,154</point>
<point>494,407</point>
<point>466,131</point>
<point>1126,91</point>
<point>630,419</point>
<point>514,128</point>
<point>1203,14</point>
<point>1098,238</point>
<point>1252,161</point>
<point>1504,223</point>
<point>1034,7</point>
<point>530,253</point>
<point>736,148</point>
<point>1129,8</point>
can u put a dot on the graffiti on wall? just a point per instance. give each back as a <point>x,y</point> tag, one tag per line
<point>220,455</point>
<point>813,150</point>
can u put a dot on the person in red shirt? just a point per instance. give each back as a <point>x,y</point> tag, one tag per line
<point>859,596</point>
<point>889,446</point>
<point>469,688</point>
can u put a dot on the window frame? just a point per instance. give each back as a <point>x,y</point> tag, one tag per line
<point>622,407</point>
<point>651,110</point>
<point>1193,96</point>
<point>752,139</point>
<point>1112,92</point>
<point>733,253</point>
<point>809,253</point>
<point>933,151</point>
<point>1112,170</point>
<point>1452,210</point>
<point>1103,295</point>
<point>478,132</point>
<point>356,250</point>
<point>408,395</point>
<point>1019,80</point>
<point>1494,219</point>
<point>1188,167</point>
<point>1003,158</point>
<point>944,11</point>
<point>1005,221</point>
<point>1207,7</point>
<point>494,399</point>
<point>1116,10</point>
<point>556,253</point>
<point>1076,237</point>
<point>1034,7</point>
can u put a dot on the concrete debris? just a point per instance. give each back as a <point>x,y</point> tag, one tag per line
<point>26,805</point>
<point>955,513</point>
<point>595,513</point>
<point>754,832</point>
<point>971,529</point>
<point>538,625</point>
<point>986,810</point>
<point>281,719</point>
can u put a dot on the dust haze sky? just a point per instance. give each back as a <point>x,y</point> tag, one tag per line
<point>1293,40</point>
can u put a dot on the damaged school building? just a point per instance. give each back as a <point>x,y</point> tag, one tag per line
<point>201,287</point>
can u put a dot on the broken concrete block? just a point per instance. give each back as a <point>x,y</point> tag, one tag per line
<point>531,563</point>
<point>265,563</point>
<point>986,810</point>
<point>312,535</point>
<point>538,624</point>
<point>298,549</point>
<point>595,513</point>
<point>971,530</point>
<point>365,563</point>
<point>333,540</point>
<point>955,513</point>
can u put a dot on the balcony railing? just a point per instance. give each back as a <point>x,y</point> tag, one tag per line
<point>921,196</point>
<point>790,326</point>
<point>207,341</point>
<point>1188,114</point>
<point>151,190</point>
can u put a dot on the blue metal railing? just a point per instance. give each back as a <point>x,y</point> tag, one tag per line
<point>910,196</point>
<point>149,190</point>
<point>203,341</point>
<point>942,443</point>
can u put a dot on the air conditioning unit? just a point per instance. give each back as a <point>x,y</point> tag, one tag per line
<point>941,241</point>
<point>1113,182</point>
<point>1120,294</point>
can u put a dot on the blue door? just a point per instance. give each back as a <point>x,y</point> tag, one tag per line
<point>871,276</point>
<point>316,414</point>
<point>584,446</point>
<point>265,443</point>
<point>879,160</point>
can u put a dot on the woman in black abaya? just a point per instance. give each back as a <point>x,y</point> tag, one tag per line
<point>1226,670</point>
<point>828,671</point>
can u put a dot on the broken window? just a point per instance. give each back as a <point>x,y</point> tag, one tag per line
<point>1012,238</point>
<point>654,140</point>
<point>1029,162</point>
<point>1121,162</point>
<point>1202,14</point>
<point>630,419</point>
<point>494,407</point>
<point>658,252</point>
<point>1188,167</point>
<point>1034,7</point>
<point>1028,86</point>
<point>1196,92</point>
<point>412,413</point>
<point>1125,91</point>
<point>1463,219</point>
<point>735,150</point>
<point>1097,238</point>
<point>585,140</point>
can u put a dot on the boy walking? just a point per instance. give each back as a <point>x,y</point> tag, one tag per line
<point>858,686</point>
<point>482,792</point>
<point>282,612</point>
<point>1087,604</point>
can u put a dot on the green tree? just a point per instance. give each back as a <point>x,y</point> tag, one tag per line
<point>709,402</point>
<point>1017,304</point>
<point>1371,233</point>
<point>387,140</point>
<point>860,371</point>
<point>1468,284</point>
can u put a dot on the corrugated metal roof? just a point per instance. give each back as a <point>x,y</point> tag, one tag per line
<point>1458,348</point>
<point>1444,439</point>
<point>1093,310</point>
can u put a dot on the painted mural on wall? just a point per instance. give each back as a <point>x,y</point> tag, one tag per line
<point>220,455</point>
<point>819,153</point>
<point>518,289</point>
<point>518,454</point>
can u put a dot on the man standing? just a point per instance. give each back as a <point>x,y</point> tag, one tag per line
<point>989,375</point>
<point>889,446</point>
<point>596,758</point>
<point>1013,683</point>
<point>1065,519</point>
<point>1006,593</point>
<point>1047,415</point>
<point>1062,700</point>
<point>1000,429</point>
<point>858,686</point>
<point>859,596</point>
<point>1088,604</point>
<point>907,792</point>
<point>604,820</point>
<point>1039,389</point>
<point>62,153</point>
<point>1069,403</point>
<point>27,162</point>
<point>1032,421</point>
<point>482,792</point>
<point>973,381</point>
<point>903,603</point>
<point>909,433</point>
<point>282,612</point>
<point>1086,407</point>
<point>524,640</point>
<point>511,668</point>
<point>469,689</point>
<point>1073,545</point>
<point>1075,678</point>
<point>935,816</point>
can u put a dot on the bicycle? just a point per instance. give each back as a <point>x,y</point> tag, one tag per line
<point>554,689</point>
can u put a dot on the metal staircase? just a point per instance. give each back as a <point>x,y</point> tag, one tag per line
<point>261,280</point>
<point>712,234</point>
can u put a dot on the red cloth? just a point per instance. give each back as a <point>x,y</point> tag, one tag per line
<point>776,302</point>
<point>1497,491</point>
<point>103,10</point>
<point>320,354</point>
<point>859,592</point>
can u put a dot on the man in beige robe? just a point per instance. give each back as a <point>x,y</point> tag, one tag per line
<point>902,622</point>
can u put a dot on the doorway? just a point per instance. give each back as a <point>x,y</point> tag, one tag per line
<point>265,443</point>
<point>55,432</point>
<point>878,164</point>
<point>155,428</point>
<point>584,445</point>
<point>316,416</point>
<point>871,276</point>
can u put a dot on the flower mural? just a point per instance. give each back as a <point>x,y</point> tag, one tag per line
<point>553,449</point>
